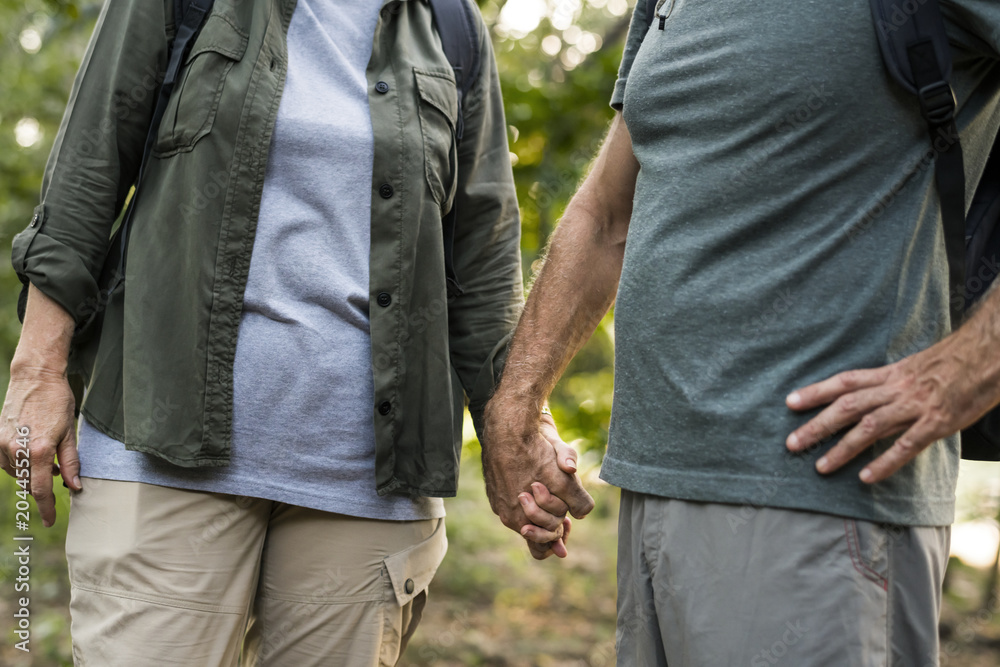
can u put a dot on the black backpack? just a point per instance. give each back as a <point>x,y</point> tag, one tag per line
<point>457,27</point>
<point>917,55</point>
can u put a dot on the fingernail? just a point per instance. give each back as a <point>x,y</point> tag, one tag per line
<point>46,523</point>
<point>523,498</point>
<point>571,464</point>
<point>822,464</point>
<point>525,530</point>
<point>794,398</point>
<point>77,484</point>
<point>866,475</point>
<point>793,441</point>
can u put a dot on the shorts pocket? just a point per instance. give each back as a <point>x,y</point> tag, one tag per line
<point>194,104</point>
<point>868,545</point>
<point>411,570</point>
<point>438,111</point>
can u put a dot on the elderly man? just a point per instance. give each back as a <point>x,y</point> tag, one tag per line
<point>761,213</point>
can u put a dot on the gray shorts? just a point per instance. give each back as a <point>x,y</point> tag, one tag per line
<point>712,585</point>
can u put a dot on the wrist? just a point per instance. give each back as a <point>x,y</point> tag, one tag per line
<point>33,364</point>
<point>519,415</point>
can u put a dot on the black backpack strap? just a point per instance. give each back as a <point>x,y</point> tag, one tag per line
<point>916,52</point>
<point>456,26</point>
<point>189,16</point>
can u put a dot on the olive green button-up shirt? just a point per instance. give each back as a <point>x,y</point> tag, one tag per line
<point>158,365</point>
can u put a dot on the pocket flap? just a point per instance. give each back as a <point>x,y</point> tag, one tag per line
<point>416,565</point>
<point>219,35</point>
<point>438,88</point>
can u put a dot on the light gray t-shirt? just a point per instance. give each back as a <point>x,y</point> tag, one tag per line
<point>303,389</point>
<point>786,228</point>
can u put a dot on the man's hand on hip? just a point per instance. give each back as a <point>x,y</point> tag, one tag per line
<point>921,399</point>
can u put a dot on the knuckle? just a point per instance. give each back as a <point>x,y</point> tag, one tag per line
<point>41,454</point>
<point>906,447</point>
<point>852,379</point>
<point>937,423</point>
<point>847,403</point>
<point>869,425</point>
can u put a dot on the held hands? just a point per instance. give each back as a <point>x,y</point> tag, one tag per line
<point>531,478</point>
<point>920,399</point>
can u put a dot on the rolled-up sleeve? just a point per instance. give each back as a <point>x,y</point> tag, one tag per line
<point>95,157</point>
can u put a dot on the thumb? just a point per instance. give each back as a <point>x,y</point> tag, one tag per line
<point>566,456</point>
<point>69,461</point>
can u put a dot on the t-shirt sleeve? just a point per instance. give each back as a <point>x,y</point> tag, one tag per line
<point>974,25</point>
<point>637,30</point>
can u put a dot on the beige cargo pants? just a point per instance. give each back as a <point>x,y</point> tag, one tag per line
<point>164,576</point>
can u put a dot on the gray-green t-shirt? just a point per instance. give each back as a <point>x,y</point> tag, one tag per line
<point>786,227</point>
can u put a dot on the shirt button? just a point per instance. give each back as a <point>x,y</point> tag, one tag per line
<point>385,190</point>
<point>34,220</point>
<point>384,407</point>
<point>408,586</point>
<point>384,299</point>
<point>382,87</point>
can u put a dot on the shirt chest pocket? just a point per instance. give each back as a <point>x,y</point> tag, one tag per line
<point>194,103</point>
<point>438,111</point>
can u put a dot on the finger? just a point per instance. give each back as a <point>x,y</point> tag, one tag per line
<point>41,483</point>
<point>832,388</point>
<point>537,515</point>
<point>569,489</point>
<point>539,551</point>
<point>566,456</point>
<point>539,535</point>
<point>882,423</point>
<point>847,410</point>
<point>566,487</point>
<point>560,547</point>
<point>547,501</point>
<point>69,462</point>
<point>915,440</point>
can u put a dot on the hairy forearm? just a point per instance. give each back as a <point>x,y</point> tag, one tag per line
<point>45,336</point>
<point>574,290</point>
<point>577,282</point>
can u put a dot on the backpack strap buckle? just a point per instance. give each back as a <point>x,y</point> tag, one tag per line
<point>937,103</point>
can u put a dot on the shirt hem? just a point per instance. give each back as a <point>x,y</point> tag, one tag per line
<point>795,494</point>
